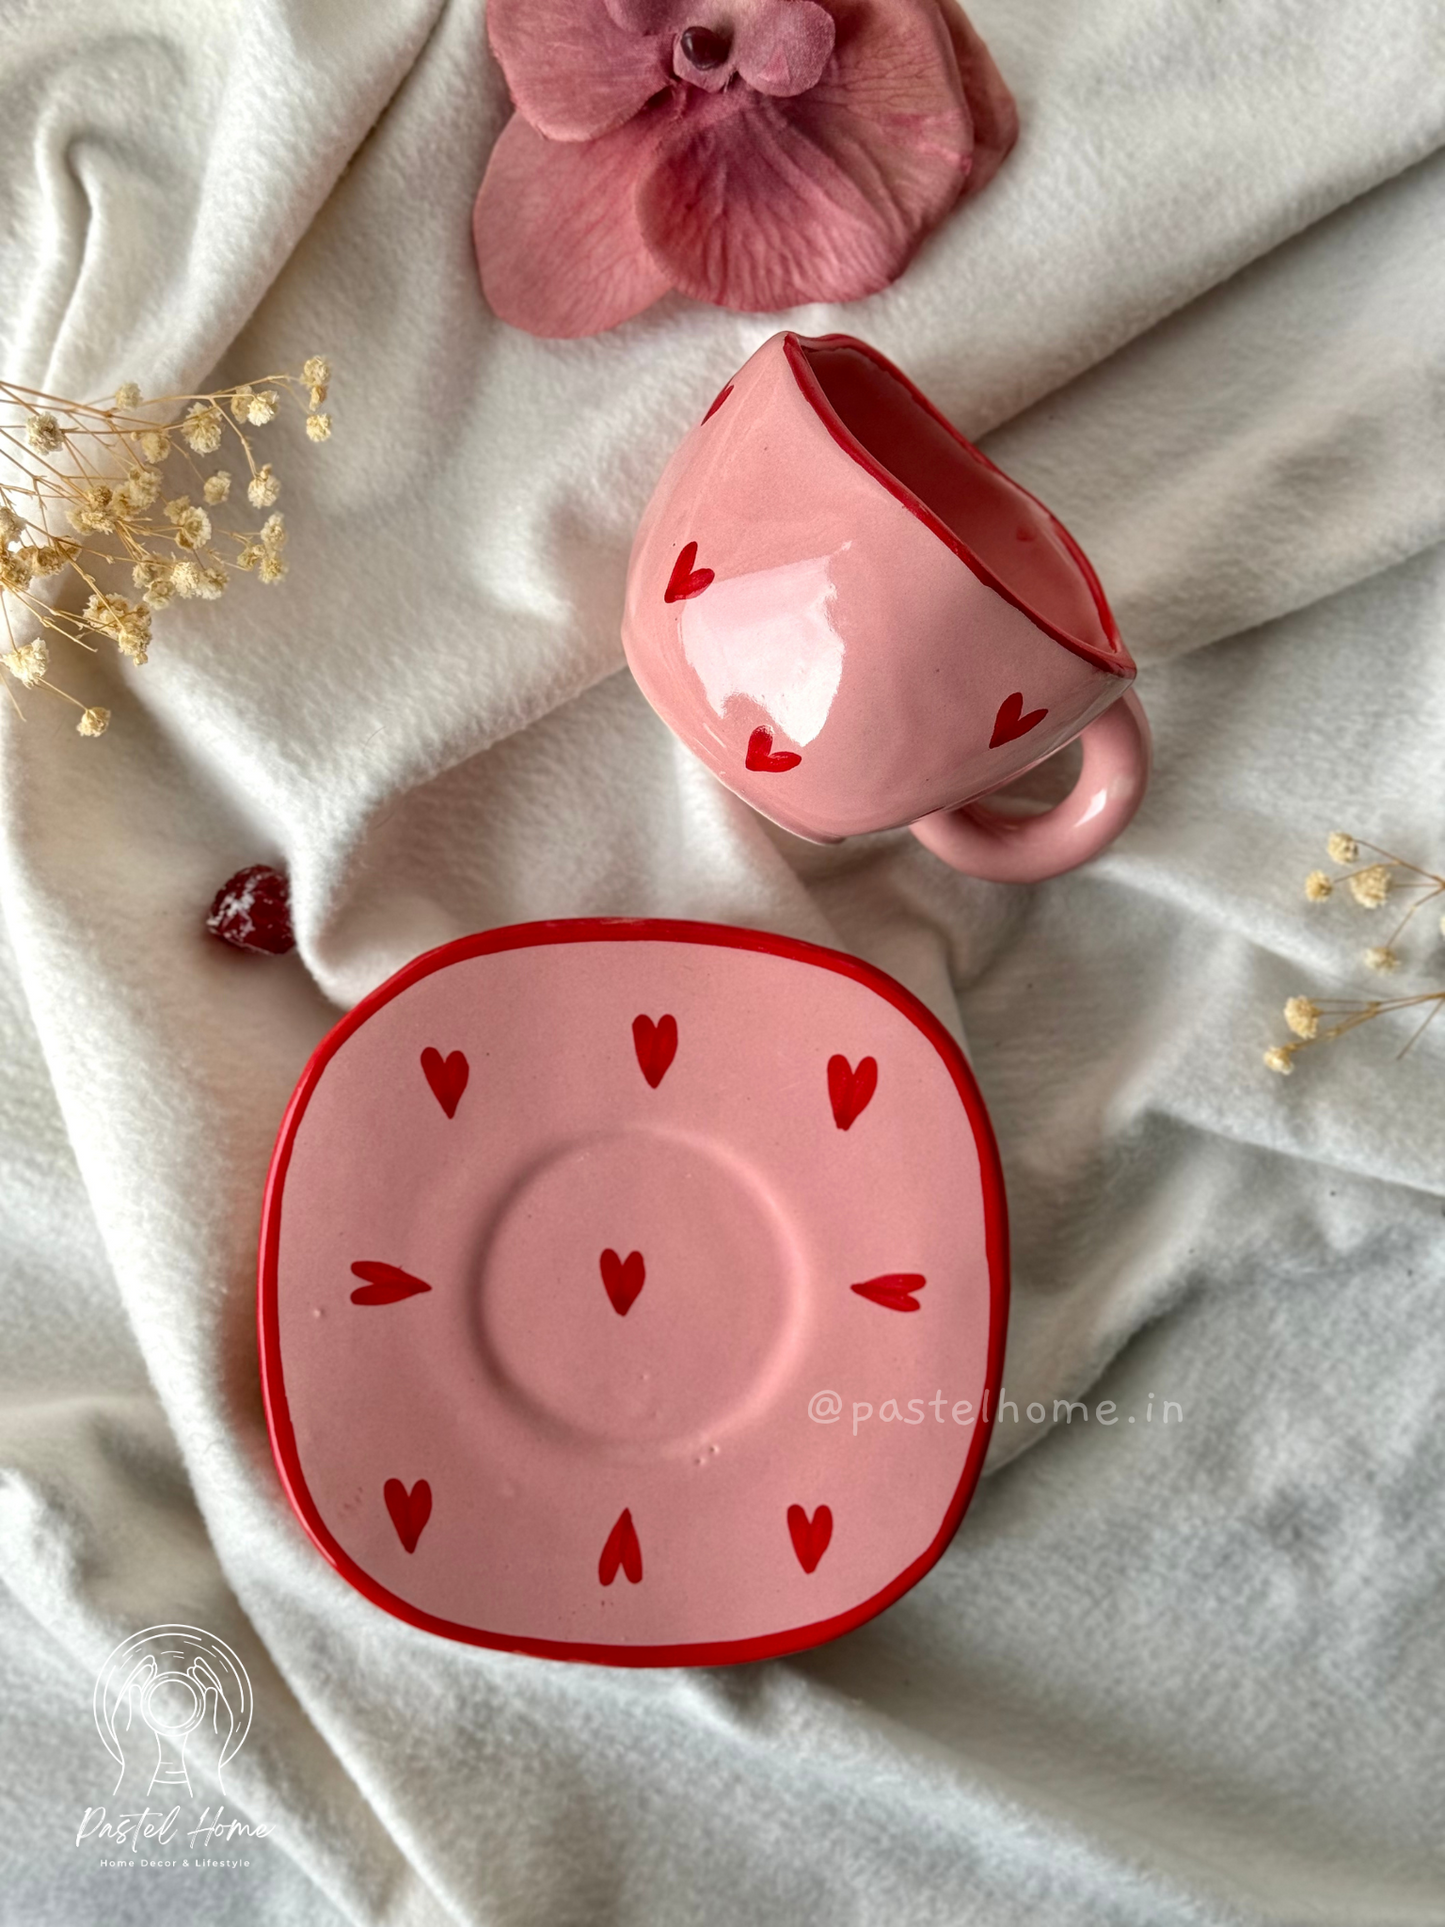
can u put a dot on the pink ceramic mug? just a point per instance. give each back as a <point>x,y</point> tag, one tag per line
<point>857,621</point>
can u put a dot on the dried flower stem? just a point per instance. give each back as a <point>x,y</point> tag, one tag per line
<point>1370,882</point>
<point>101,470</point>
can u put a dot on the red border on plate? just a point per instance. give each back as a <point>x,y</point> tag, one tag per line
<point>1116,658</point>
<point>524,936</point>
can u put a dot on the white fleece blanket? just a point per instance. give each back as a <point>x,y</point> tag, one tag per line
<point>1183,1674</point>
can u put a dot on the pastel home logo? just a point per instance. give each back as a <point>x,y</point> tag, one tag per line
<point>156,1692</point>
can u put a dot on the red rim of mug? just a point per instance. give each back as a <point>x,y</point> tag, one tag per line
<point>1116,658</point>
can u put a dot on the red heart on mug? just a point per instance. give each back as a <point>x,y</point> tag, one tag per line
<point>621,1550</point>
<point>686,581</point>
<point>1011,722</point>
<point>622,1279</point>
<point>762,755</point>
<point>810,1536</point>
<point>893,1290</point>
<point>656,1046</point>
<point>409,1510</point>
<point>447,1077</point>
<point>850,1092</point>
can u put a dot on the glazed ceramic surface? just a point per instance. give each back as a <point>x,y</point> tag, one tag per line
<point>855,619</point>
<point>568,1227</point>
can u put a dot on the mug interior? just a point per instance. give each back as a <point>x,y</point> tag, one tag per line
<point>1010,540</point>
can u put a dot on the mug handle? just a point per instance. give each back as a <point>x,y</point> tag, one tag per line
<point>1026,849</point>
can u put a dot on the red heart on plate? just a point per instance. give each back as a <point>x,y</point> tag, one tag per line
<point>622,1279</point>
<point>656,1046</point>
<point>762,755</point>
<point>385,1284</point>
<point>851,1091</point>
<point>447,1077</point>
<point>622,1550</point>
<point>1011,722</point>
<point>717,401</point>
<point>810,1536</point>
<point>893,1290</point>
<point>409,1510</point>
<point>686,581</point>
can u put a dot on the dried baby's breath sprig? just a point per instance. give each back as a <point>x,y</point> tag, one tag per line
<point>1348,1014</point>
<point>191,524</point>
<point>1370,886</point>
<point>202,428</point>
<point>1302,1014</point>
<point>42,433</point>
<point>28,663</point>
<point>139,490</point>
<point>263,488</point>
<point>1371,883</point>
<point>192,581</point>
<point>94,510</point>
<point>111,473</point>
<point>247,405</point>
<point>128,624</point>
<point>51,557</point>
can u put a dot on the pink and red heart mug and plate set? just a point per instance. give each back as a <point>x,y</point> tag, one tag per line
<point>586,1244</point>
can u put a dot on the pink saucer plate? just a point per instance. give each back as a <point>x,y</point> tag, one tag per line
<point>633,1292</point>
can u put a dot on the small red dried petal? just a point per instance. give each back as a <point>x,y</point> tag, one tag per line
<point>252,910</point>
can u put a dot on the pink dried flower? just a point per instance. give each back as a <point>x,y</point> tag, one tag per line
<point>751,153</point>
<point>252,910</point>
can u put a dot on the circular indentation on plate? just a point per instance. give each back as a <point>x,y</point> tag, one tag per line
<point>704,1338</point>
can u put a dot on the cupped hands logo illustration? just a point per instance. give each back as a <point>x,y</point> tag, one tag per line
<point>158,1689</point>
